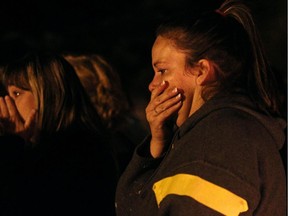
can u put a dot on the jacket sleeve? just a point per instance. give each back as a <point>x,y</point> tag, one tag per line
<point>139,169</point>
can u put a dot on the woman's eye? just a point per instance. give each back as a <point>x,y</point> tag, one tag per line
<point>162,71</point>
<point>16,93</point>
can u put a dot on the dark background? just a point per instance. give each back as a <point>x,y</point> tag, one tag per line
<point>121,31</point>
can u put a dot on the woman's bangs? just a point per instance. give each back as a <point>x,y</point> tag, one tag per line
<point>16,78</point>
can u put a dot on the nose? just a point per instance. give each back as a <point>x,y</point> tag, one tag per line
<point>154,83</point>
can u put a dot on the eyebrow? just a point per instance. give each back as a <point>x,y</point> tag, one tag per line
<point>157,63</point>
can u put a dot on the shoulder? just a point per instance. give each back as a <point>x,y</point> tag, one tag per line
<point>230,133</point>
<point>233,121</point>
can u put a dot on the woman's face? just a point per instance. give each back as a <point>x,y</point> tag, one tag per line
<point>169,65</point>
<point>24,100</point>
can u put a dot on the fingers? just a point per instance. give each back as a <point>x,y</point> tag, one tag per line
<point>12,122</point>
<point>158,91</point>
<point>13,112</point>
<point>167,101</point>
<point>158,96</point>
<point>10,116</point>
<point>164,103</point>
<point>161,111</point>
<point>4,113</point>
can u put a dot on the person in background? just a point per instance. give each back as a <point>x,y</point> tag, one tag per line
<point>2,93</point>
<point>55,157</point>
<point>214,120</point>
<point>103,85</point>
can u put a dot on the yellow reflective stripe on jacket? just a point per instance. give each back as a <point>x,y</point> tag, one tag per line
<point>205,192</point>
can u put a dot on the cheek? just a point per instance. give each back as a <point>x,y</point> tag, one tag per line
<point>185,82</point>
<point>25,106</point>
<point>187,86</point>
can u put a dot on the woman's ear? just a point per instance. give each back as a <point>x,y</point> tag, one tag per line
<point>206,73</point>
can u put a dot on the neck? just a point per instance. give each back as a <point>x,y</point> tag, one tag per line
<point>197,101</point>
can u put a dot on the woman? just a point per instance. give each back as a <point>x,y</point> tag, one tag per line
<point>103,85</point>
<point>214,121</point>
<point>56,153</point>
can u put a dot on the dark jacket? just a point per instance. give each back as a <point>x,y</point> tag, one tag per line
<point>223,160</point>
<point>68,174</point>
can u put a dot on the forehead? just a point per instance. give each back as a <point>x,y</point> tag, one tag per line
<point>164,52</point>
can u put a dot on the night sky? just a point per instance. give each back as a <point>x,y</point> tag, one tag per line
<point>121,31</point>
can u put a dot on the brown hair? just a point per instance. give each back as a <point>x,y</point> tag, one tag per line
<point>229,38</point>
